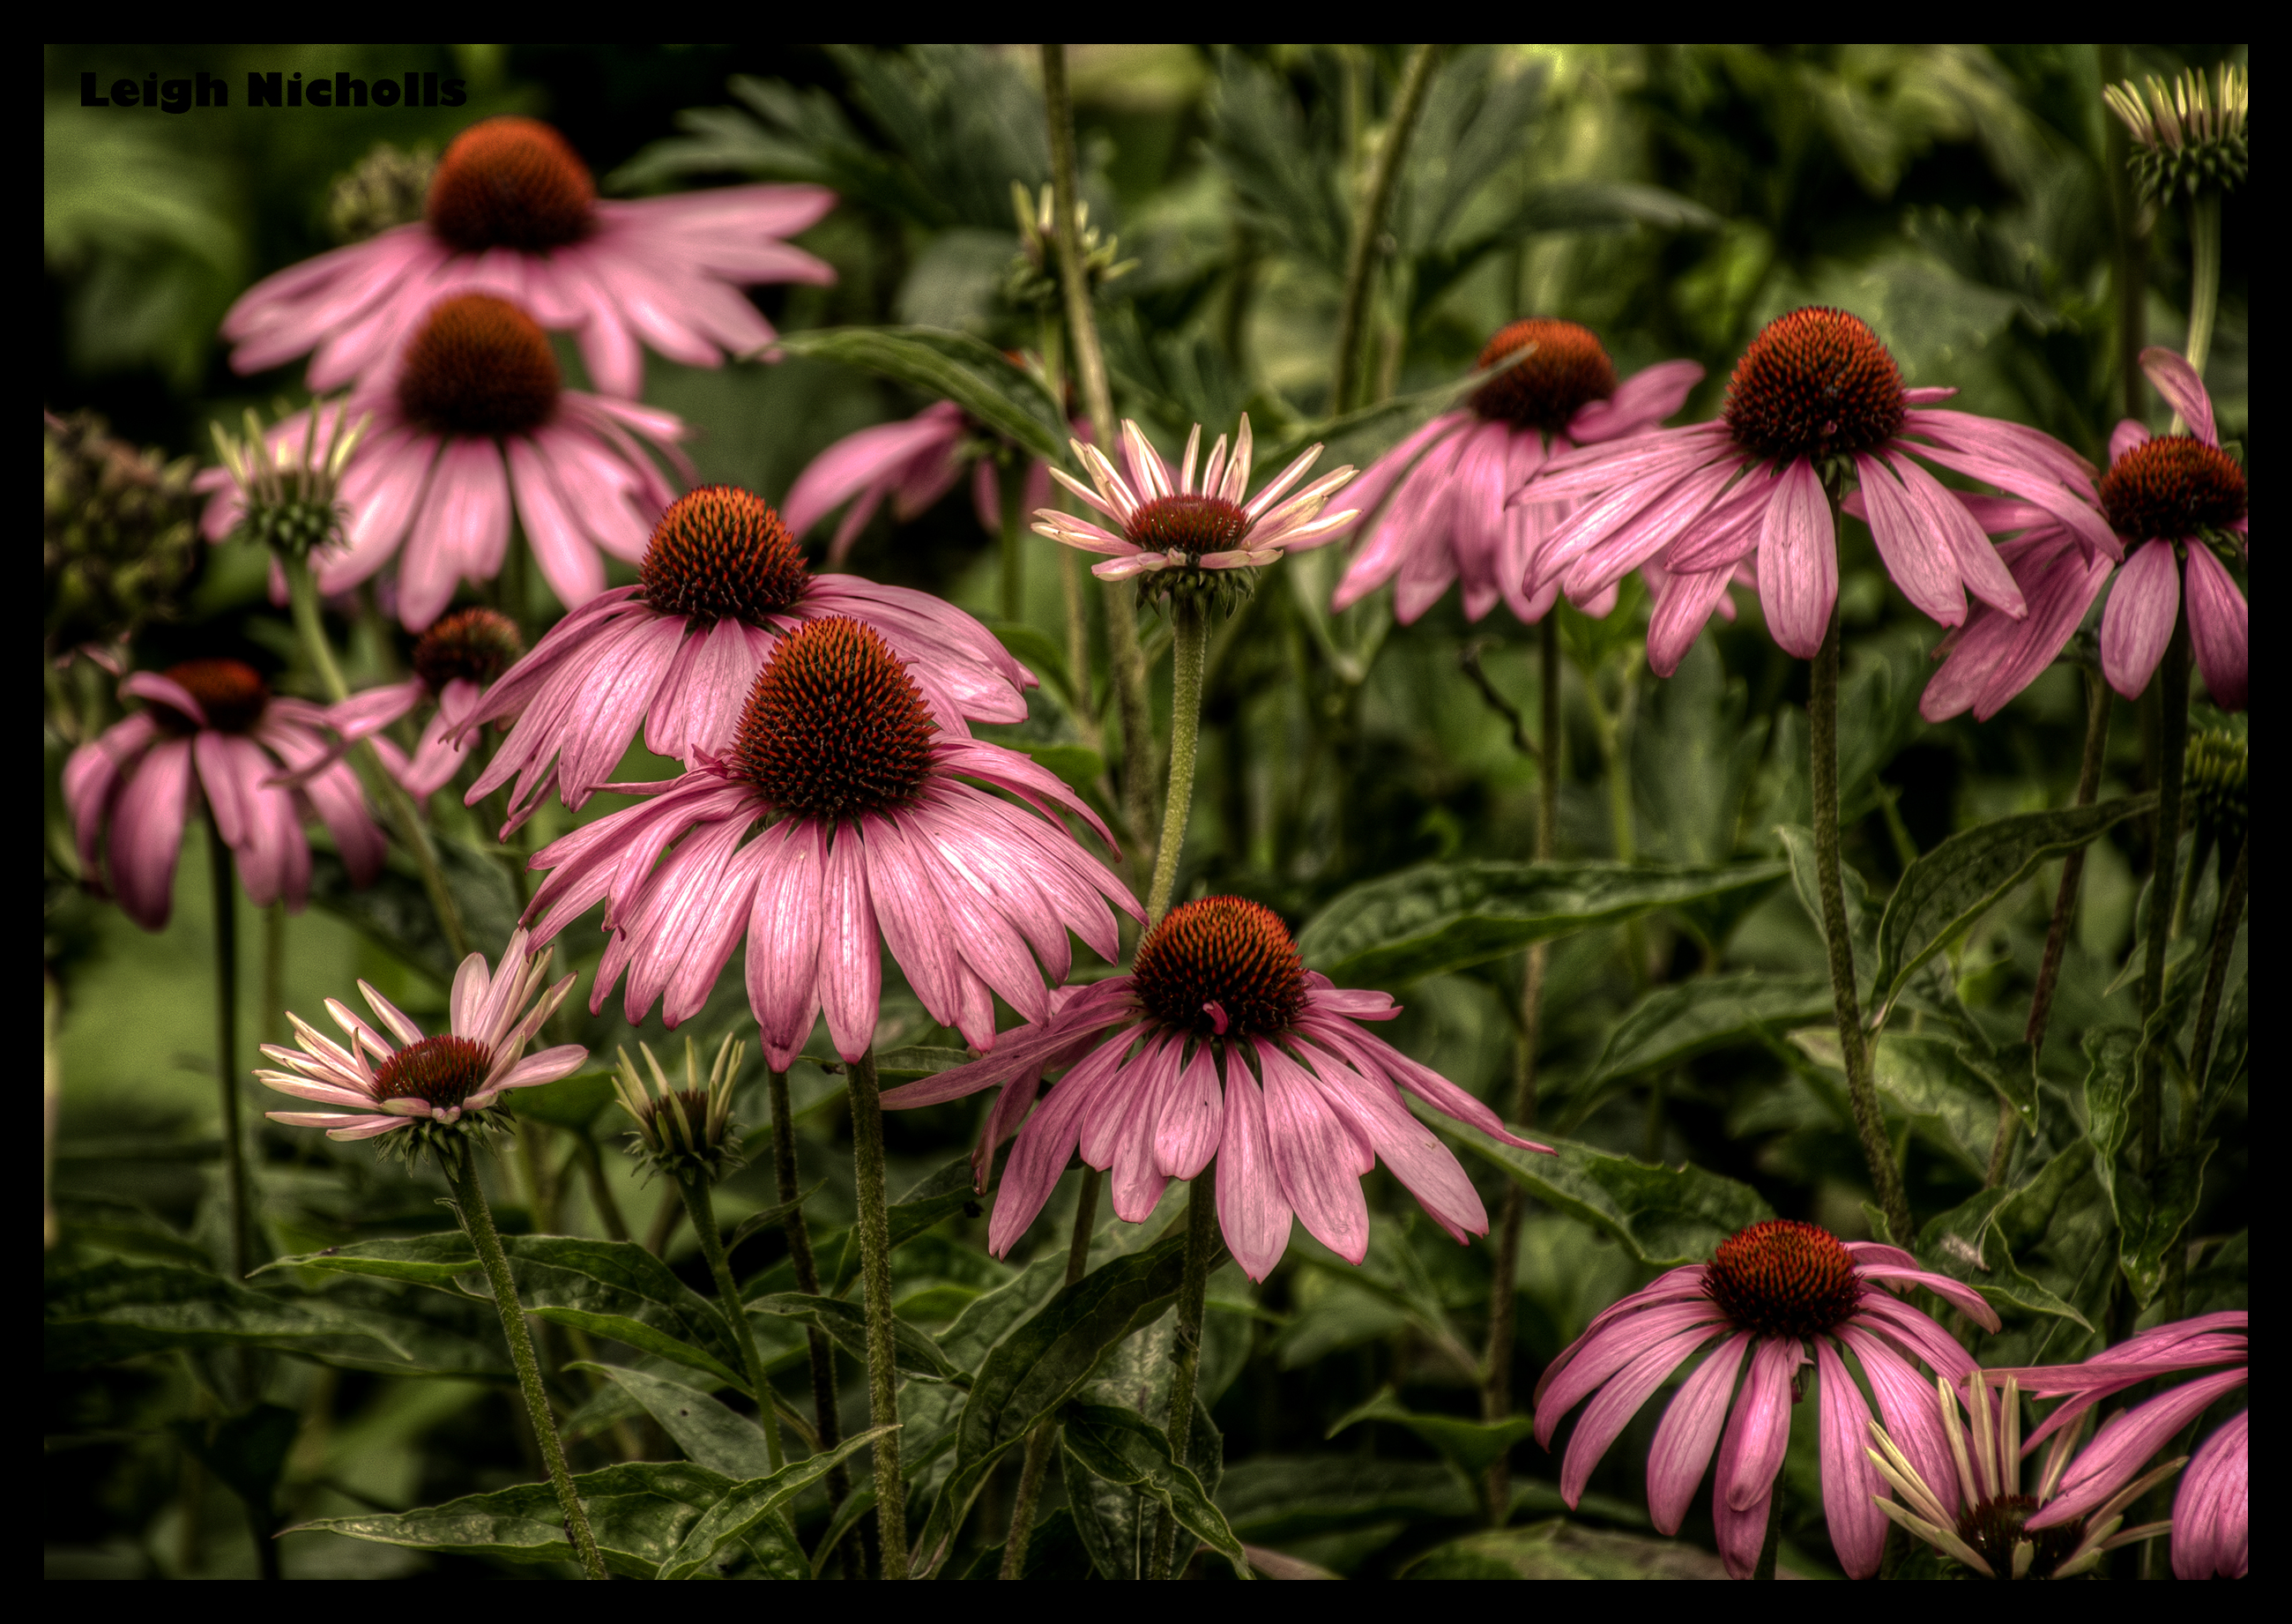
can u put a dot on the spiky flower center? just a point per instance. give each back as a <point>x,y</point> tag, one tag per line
<point>474,644</point>
<point>834,724</point>
<point>479,365</point>
<point>1993,1527</point>
<point>2174,486</point>
<point>1222,966</point>
<point>441,1072</point>
<point>232,695</point>
<point>1567,371</point>
<point>722,553</point>
<point>510,183</point>
<point>1814,383</point>
<point>1784,1279</point>
<point>1188,525</point>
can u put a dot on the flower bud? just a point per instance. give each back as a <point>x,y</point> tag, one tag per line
<point>687,1133</point>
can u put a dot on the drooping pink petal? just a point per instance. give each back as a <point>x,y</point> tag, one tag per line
<point>1688,1433</point>
<point>1798,561</point>
<point>1964,1298</point>
<point>1619,1401</point>
<point>1751,1453</point>
<point>1851,1485</point>
<point>1316,1157</point>
<point>1601,1352</point>
<point>2182,389</point>
<point>2126,1443</point>
<point>1645,398</point>
<point>93,779</point>
<point>1908,1403</point>
<point>1253,1214</point>
<point>2138,621</point>
<point>784,925</point>
<point>1192,1120</point>
<point>147,833</point>
<point>851,972</point>
<point>1411,1151</point>
<point>2212,1508</point>
<point>1918,558</point>
<point>569,563</point>
<point>2124,436</point>
<point>2220,626</point>
<point>1045,1144</point>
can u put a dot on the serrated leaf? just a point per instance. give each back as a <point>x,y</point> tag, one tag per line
<point>1117,1444</point>
<point>950,367</point>
<point>1662,1216</point>
<point>728,1523</point>
<point>846,1325</point>
<point>1469,1446</point>
<point>1945,892</point>
<point>1445,917</point>
<point>1678,1022</point>
<point>1927,1077</point>
<point>2152,1208</point>
<point>710,1433</point>
<point>1962,1243</point>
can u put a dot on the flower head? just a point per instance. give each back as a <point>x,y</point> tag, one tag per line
<point>284,494</point>
<point>687,1133</point>
<point>1166,520</point>
<point>1785,1294</point>
<point>1453,512</point>
<point>913,462</point>
<point>117,538</point>
<point>453,663</point>
<point>434,1086</point>
<point>879,842</point>
<point>1815,403</point>
<point>513,210</point>
<point>212,729</point>
<point>723,582</point>
<point>1220,1044</point>
<point>2189,137</point>
<point>1989,1526</point>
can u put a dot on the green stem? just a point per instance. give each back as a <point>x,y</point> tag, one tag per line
<point>601,1188</point>
<point>2057,932</point>
<point>1495,1384</point>
<point>1368,226</point>
<point>875,1226</point>
<point>1013,477</point>
<point>2130,249</point>
<point>303,595</point>
<point>1869,1123</point>
<point>2172,764</point>
<point>827,1404</point>
<point>1190,623</point>
<point>701,1208</point>
<point>478,1220</point>
<point>225,896</point>
<point>2205,273</point>
<point>2224,928</point>
<point>1186,1357</point>
<point>1038,1446</point>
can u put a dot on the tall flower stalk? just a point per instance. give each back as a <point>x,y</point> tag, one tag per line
<point>225,903</point>
<point>873,1223</point>
<point>825,1403</point>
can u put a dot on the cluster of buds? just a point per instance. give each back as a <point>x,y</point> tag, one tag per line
<point>687,1133</point>
<point>387,187</point>
<point>117,537</point>
<point>1033,276</point>
<point>290,491</point>
<point>2219,768</point>
<point>2191,136</point>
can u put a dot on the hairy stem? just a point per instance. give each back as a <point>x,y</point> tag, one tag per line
<point>826,1403</point>
<point>1037,1463</point>
<point>700,1207</point>
<point>1869,1123</point>
<point>1012,478</point>
<point>2172,774</point>
<point>1186,1358</point>
<point>2057,932</point>
<point>225,897</point>
<point>1191,623</point>
<point>875,1226</point>
<point>478,1220</point>
<point>1496,1382</point>
<point>1368,226</point>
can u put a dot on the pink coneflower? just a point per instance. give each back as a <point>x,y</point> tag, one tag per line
<point>1815,400</point>
<point>2168,498</point>
<point>513,212</point>
<point>453,662</point>
<point>211,729</point>
<point>879,840</point>
<point>722,581</point>
<point>2212,1509</point>
<point>470,423</point>
<point>442,1080</point>
<point>915,464</point>
<point>1220,1044</point>
<point>1984,1523</point>
<point>1774,1290</point>
<point>1168,521</point>
<point>1454,512</point>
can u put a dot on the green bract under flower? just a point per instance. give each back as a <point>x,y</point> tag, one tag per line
<point>687,1133</point>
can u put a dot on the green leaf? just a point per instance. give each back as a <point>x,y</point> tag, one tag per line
<point>1662,1216</point>
<point>1444,917</point>
<point>606,1287</point>
<point>2152,1208</point>
<point>1679,1022</point>
<point>1078,767</point>
<point>1798,851</point>
<point>1037,1367</point>
<point>771,1217</point>
<point>2012,1074</point>
<point>1945,892</point>
<point>2059,1234</point>
<point>952,366</point>
<point>1277,1500</point>
<point>1561,1549</point>
<point>1120,1446</point>
<point>846,1324</point>
<point>573,1103</point>
<point>1927,1076</point>
<point>931,1203</point>
<point>1469,1446</point>
<point>711,1544</point>
<point>710,1433</point>
<point>1964,1244</point>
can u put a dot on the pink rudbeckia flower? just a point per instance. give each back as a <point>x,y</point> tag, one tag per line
<point>385,1086</point>
<point>513,212</point>
<point>212,729</point>
<point>1306,1105</point>
<point>679,652</point>
<point>453,662</point>
<point>879,842</point>
<point>1815,397</point>
<point>2212,1509</point>
<point>1984,1523</point>
<point>1773,1291</point>
<point>2162,497</point>
<point>1454,515</point>
<point>469,427</point>
<point>1168,521</point>
<point>915,464</point>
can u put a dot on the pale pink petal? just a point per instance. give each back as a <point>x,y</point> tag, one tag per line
<point>569,563</point>
<point>2124,436</point>
<point>2212,1508</point>
<point>1607,1349</point>
<point>1645,398</point>
<point>2182,389</point>
<point>1193,1119</point>
<point>147,833</point>
<point>784,929</point>
<point>1316,1158</point>
<point>851,972</point>
<point>2137,622</point>
<point>1253,1214</point>
<point>1798,563</point>
<point>1919,559</point>
<point>2220,626</point>
<point>1619,1401</point>
<point>1045,1146</point>
<point>1851,1485</point>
